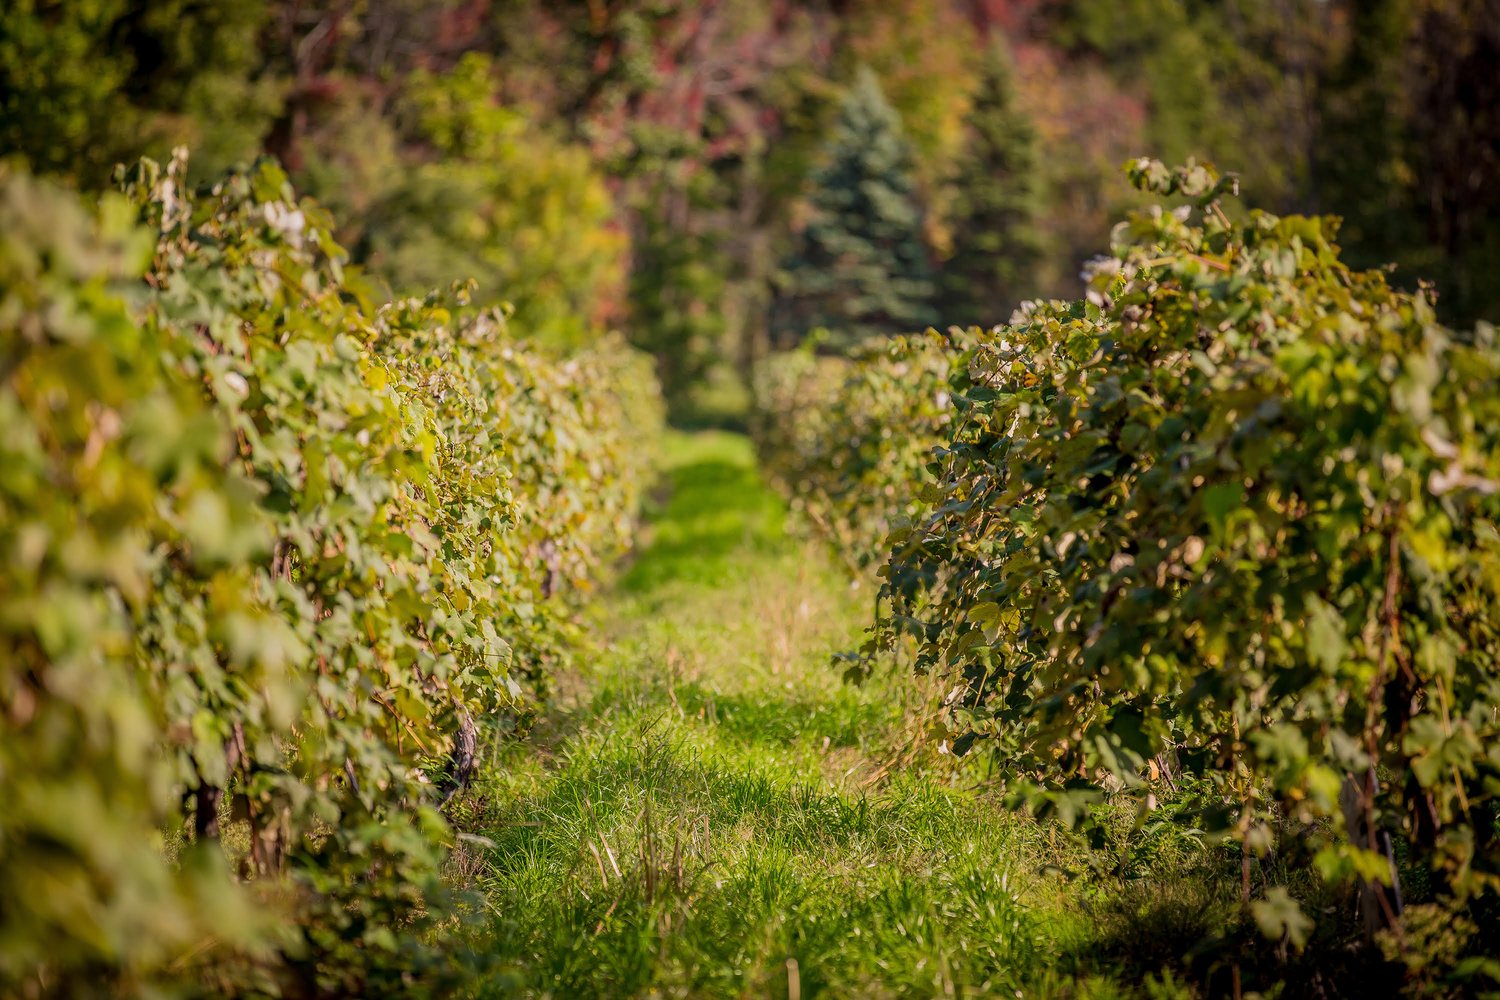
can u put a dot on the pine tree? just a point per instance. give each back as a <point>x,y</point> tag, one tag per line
<point>998,246</point>
<point>860,268</point>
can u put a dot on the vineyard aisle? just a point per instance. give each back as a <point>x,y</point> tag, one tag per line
<point>710,811</point>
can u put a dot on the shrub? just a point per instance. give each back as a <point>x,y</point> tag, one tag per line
<point>847,438</point>
<point>276,549</point>
<point>1234,515</point>
<point>112,468</point>
<point>581,432</point>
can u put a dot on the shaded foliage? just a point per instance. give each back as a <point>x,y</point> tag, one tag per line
<point>84,85</point>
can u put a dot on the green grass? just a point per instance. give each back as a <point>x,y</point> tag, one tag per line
<point>710,811</point>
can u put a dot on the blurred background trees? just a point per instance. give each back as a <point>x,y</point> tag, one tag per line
<point>999,254</point>
<point>667,167</point>
<point>860,266</point>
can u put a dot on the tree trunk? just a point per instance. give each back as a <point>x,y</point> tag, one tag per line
<point>462,760</point>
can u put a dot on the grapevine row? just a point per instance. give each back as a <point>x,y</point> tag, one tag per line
<point>273,552</point>
<point>1220,542</point>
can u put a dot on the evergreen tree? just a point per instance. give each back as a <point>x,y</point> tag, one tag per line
<point>998,247</point>
<point>860,267</point>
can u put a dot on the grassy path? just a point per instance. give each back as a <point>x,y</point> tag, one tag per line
<point>707,813</point>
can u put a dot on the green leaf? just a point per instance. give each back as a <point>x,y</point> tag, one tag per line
<point>1326,642</point>
<point>1280,918</point>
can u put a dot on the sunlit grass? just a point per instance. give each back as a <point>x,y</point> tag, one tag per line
<point>718,814</point>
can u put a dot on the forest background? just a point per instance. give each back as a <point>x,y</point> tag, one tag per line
<point>681,169</point>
